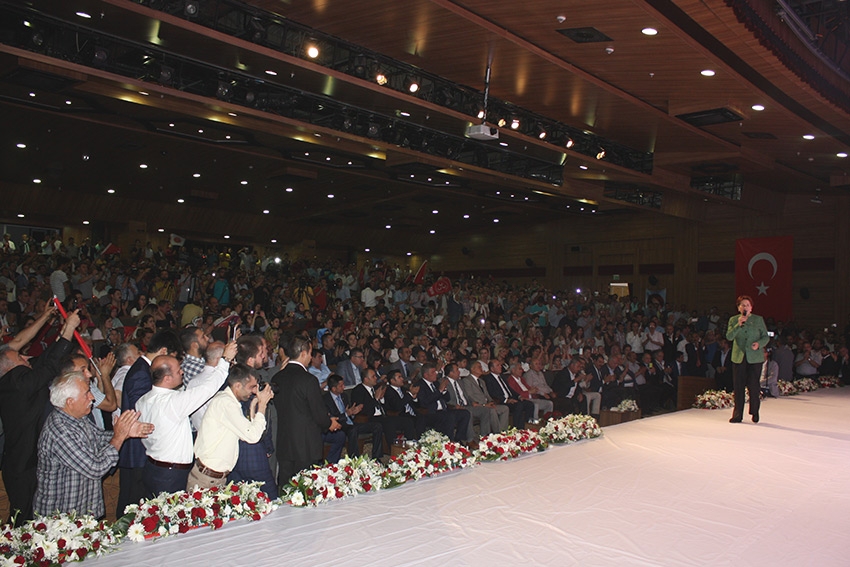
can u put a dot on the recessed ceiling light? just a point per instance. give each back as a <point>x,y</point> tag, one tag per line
<point>68,102</point>
<point>270,72</point>
<point>435,212</point>
<point>274,240</point>
<point>289,189</point>
<point>226,236</point>
<point>85,222</point>
<point>244,182</point>
<point>503,144</point>
<point>808,136</point>
<point>200,131</point>
<point>160,230</point>
<point>841,154</point>
<point>707,73</point>
<point>405,114</point>
<point>312,52</point>
<point>84,15</point>
<point>265,211</point>
<point>410,253</point>
<point>388,226</point>
<point>495,220</point>
<point>110,191</point>
<point>432,232</point>
<point>366,250</point>
<point>582,167</point>
<point>181,200</point>
<point>143,166</point>
<point>36,180</point>
<point>171,125</point>
<point>227,137</point>
<point>330,196</point>
<point>231,114</point>
<point>196,175</point>
<point>466,216</point>
<point>21,146</point>
<point>649,31</point>
<point>758,107</point>
<point>20,215</point>
<point>32,94</point>
<point>144,93</point>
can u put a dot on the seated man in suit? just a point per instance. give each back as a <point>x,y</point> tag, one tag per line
<point>476,391</point>
<point>668,373</point>
<point>370,394</point>
<point>337,408</point>
<point>458,400</point>
<point>401,408</point>
<point>722,364</point>
<point>521,410</point>
<point>352,369</point>
<point>517,383</point>
<point>434,398</point>
<point>566,385</point>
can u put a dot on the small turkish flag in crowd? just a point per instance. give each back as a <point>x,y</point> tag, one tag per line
<point>763,271</point>
<point>441,286</point>
<point>176,240</point>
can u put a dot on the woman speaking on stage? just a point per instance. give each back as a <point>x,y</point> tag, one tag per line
<point>749,337</point>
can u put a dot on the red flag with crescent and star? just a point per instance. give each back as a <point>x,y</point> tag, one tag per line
<point>763,271</point>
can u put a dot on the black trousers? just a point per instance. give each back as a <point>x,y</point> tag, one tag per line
<point>20,488</point>
<point>745,376</point>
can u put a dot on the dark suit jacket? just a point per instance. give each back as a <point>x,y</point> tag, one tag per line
<point>495,390</point>
<point>394,404</point>
<point>302,415</point>
<point>563,384</point>
<point>350,373</point>
<point>136,384</point>
<point>428,397</point>
<point>360,395</point>
<point>327,397</point>
<point>397,365</point>
<point>24,398</point>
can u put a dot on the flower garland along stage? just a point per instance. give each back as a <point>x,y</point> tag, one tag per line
<point>714,399</point>
<point>626,405</point>
<point>434,454</point>
<point>63,538</point>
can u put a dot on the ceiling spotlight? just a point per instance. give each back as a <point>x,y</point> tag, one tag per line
<point>244,182</point>
<point>289,189</point>
<point>84,15</point>
<point>514,123</point>
<point>841,154</point>
<point>570,142</point>
<point>143,166</point>
<point>495,220</point>
<point>166,75</point>
<point>501,123</point>
<point>160,230</point>
<point>330,195</point>
<point>366,250</point>
<point>85,222</point>
<point>100,57</point>
<point>411,84</point>
<point>432,232</point>
<point>466,216</point>
<point>381,79</point>
<point>601,153</point>
<point>224,90</point>
<point>21,146</point>
<point>808,136</point>
<point>111,191</point>
<point>649,31</point>
<point>582,167</point>
<point>707,73</point>
<point>181,200</point>
<point>481,115</point>
<point>20,215</point>
<point>274,241</point>
<point>265,211</point>
<point>227,236</point>
<point>410,253</point>
<point>388,226</point>
<point>758,107</point>
<point>196,175</point>
<point>191,8</point>
<point>312,52</point>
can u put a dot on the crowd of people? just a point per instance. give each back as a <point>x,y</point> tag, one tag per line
<point>213,365</point>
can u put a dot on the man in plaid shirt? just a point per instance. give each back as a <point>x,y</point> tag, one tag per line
<point>73,453</point>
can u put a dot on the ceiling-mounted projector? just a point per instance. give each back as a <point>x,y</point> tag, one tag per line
<point>482,132</point>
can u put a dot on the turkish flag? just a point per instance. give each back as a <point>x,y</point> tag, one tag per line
<point>763,271</point>
<point>441,286</point>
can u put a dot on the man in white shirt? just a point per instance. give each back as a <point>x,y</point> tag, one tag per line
<point>224,424</point>
<point>125,354</point>
<point>169,450</point>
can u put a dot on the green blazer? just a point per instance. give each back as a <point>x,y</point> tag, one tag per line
<point>743,338</point>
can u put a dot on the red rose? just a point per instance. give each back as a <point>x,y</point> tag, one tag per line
<point>61,543</point>
<point>197,495</point>
<point>234,488</point>
<point>251,505</point>
<point>81,553</point>
<point>199,513</point>
<point>216,508</point>
<point>256,517</point>
<point>26,536</point>
<point>214,489</point>
<point>38,554</point>
<point>183,528</point>
<point>152,510</point>
<point>182,515</point>
<point>235,499</point>
<point>262,496</point>
<point>150,523</point>
<point>331,480</point>
<point>95,545</point>
<point>20,560</point>
<point>367,487</point>
<point>217,523</point>
<point>40,527</point>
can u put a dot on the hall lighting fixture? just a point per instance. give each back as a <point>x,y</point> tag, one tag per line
<point>707,73</point>
<point>432,232</point>
<point>36,181</point>
<point>758,107</point>
<point>243,182</point>
<point>143,166</point>
<point>289,189</point>
<point>649,31</point>
<point>265,211</point>
<point>181,200</point>
<point>277,260</point>
<point>481,115</point>
<point>196,175</point>
<point>20,215</point>
<point>366,250</point>
<point>160,230</point>
<point>85,222</point>
<point>21,146</point>
<point>808,136</point>
<point>541,132</point>
<point>466,216</point>
<point>381,79</point>
<point>514,123</point>
<point>330,196</point>
<point>270,72</point>
<point>495,220</point>
<point>410,253</point>
<point>312,52</point>
<point>841,154</point>
<point>501,123</point>
<point>434,212</point>
<point>111,191</point>
<point>84,15</point>
<point>582,167</point>
<point>570,143</point>
<point>601,153</point>
<point>388,226</point>
<point>411,84</point>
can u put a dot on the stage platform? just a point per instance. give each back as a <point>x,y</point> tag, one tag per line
<point>685,489</point>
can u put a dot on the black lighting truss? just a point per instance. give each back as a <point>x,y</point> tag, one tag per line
<point>80,45</point>
<point>238,19</point>
<point>729,186</point>
<point>633,194</point>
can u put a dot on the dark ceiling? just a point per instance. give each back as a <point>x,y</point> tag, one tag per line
<point>89,99</point>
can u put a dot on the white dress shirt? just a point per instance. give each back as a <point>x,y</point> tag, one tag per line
<point>168,410</point>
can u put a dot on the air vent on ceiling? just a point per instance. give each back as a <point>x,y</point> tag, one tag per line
<point>710,117</point>
<point>760,135</point>
<point>584,35</point>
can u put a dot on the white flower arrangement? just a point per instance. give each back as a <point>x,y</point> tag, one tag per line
<point>806,385</point>
<point>626,405</point>
<point>829,382</point>
<point>509,445</point>
<point>569,429</point>
<point>427,459</point>
<point>787,388</point>
<point>714,399</point>
<point>348,477</point>
<point>179,512</point>
<point>55,540</point>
